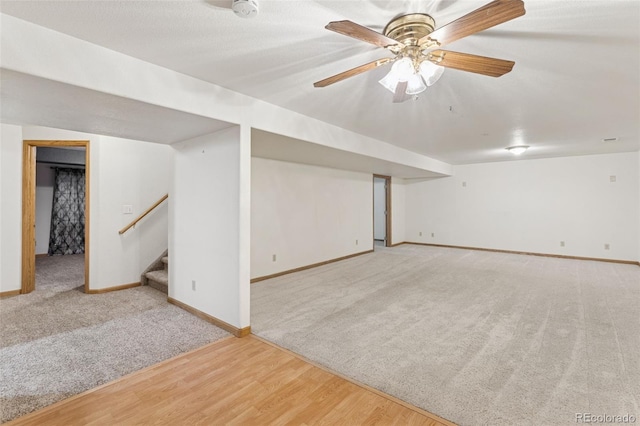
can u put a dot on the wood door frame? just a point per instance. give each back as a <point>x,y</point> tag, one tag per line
<point>387,206</point>
<point>28,281</point>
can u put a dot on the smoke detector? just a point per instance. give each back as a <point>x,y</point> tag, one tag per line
<point>245,8</point>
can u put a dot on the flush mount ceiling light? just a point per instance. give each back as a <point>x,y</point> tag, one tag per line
<point>415,42</point>
<point>517,149</point>
<point>245,8</point>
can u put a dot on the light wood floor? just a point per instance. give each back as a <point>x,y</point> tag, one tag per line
<point>233,381</point>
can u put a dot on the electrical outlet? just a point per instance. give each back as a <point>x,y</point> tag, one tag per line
<point>420,234</point>
<point>606,246</point>
<point>433,234</point>
<point>273,258</point>
<point>561,243</point>
<point>612,178</point>
<point>193,285</point>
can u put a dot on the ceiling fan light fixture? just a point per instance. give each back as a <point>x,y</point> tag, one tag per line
<point>415,85</point>
<point>404,69</point>
<point>390,81</point>
<point>430,72</point>
<point>517,149</point>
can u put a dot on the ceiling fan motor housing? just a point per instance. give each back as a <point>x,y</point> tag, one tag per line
<point>245,8</point>
<point>408,29</point>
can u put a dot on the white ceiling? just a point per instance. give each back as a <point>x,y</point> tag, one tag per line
<point>575,82</point>
<point>26,99</point>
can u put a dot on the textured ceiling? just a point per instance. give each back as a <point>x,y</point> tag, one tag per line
<point>575,82</point>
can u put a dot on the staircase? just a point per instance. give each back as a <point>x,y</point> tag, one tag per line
<point>157,275</point>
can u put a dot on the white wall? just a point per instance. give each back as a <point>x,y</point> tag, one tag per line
<point>307,214</point>
<point>205,241</point>
<point>398,214</point>
<point>128,173</point>
<point>379,207</point>
<point>10,206</point>
<point>532,205</point>
<point>45,178</point>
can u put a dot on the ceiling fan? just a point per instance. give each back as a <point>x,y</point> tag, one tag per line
<point>418,61</point>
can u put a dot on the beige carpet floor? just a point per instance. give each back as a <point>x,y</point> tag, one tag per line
<point>57,341</point>
<point>479,338</point>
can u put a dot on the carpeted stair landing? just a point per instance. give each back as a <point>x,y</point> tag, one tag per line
<point>159,279</point>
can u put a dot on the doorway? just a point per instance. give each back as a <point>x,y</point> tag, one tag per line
<point>29,213</point>
<point>381,210</point>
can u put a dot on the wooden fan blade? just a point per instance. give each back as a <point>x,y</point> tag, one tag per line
<point>365,34</point>
<point>350,73</point>
<point>489,15</point>
<point>472,63</point>
<point>400,94</point>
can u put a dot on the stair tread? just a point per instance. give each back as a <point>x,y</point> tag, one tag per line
<point>161,276</point>
<point>165,259</point>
